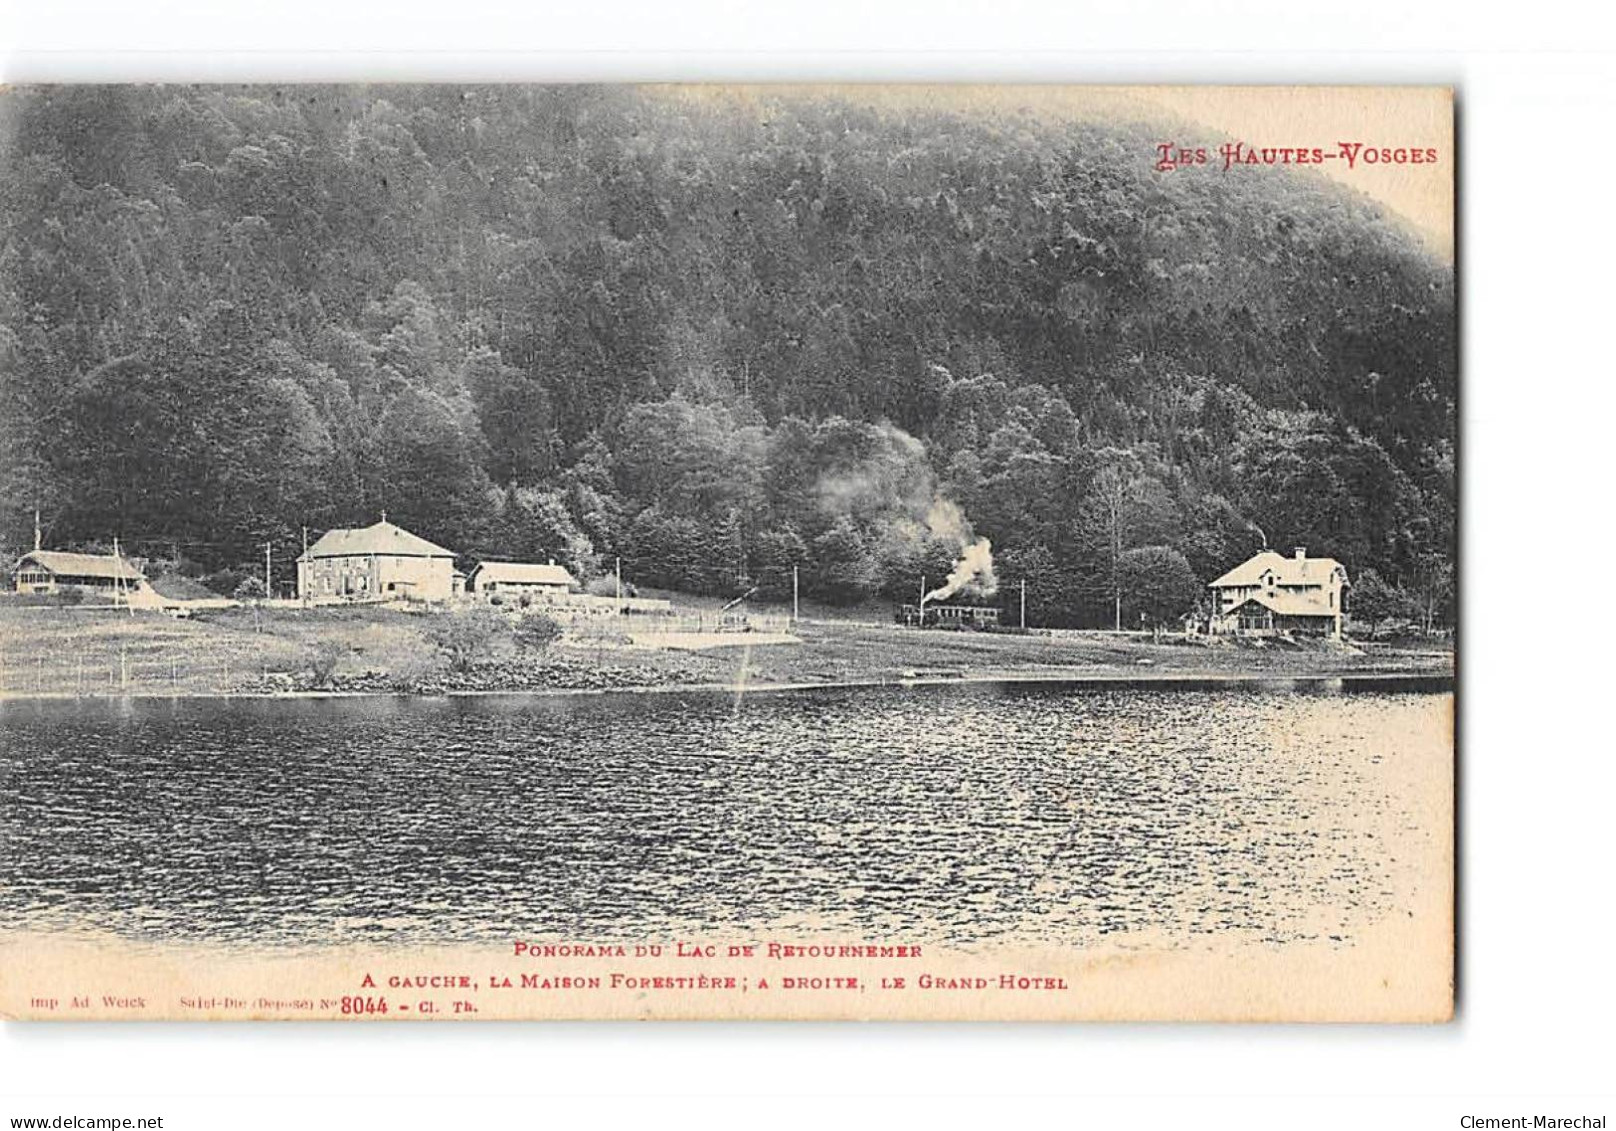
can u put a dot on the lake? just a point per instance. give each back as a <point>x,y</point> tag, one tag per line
<point>960,815</point>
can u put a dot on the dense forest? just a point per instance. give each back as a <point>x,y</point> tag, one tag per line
<point>716,336</point>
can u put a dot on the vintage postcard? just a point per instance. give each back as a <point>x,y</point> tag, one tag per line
<point>780,552</point>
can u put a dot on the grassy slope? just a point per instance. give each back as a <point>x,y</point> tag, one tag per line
<point>67,649</point>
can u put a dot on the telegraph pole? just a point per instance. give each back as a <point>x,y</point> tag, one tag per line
<point>118,594</point>
<point>1023,602</point>
<point>619,574</point>
<point>37,546</point>
<point>793,594</point>
<point>267,591</point>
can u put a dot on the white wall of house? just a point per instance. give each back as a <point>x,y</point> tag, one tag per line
<point>1329,590</point>
<point>521,587</point>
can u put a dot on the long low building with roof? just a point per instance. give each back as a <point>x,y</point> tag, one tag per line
<point>519,578</point>
<point>376,563</point>
<point>54,571</point>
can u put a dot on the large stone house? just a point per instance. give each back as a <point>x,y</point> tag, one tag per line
<point>1271,594</point>
<point>381,562</point>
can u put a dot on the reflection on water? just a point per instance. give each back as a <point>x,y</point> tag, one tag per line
<point>952,815</point>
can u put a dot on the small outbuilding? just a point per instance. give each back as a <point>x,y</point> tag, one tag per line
<point>518,578</point>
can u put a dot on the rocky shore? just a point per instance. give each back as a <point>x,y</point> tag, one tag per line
<point>486,676</point>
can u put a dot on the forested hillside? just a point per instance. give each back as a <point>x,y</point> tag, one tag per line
<point>717,337</point>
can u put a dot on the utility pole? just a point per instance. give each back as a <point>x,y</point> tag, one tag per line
<point>1116,569</point>
<point>117,581</point>
<point>793,594</point>
<point>619,574</point>
<point>37,546</point>
<point>920,620</point>
<point>268,546</point>
<point>1023,602</point>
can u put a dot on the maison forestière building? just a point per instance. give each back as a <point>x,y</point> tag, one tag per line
<point>1271,594</point>
<point>381,562</point>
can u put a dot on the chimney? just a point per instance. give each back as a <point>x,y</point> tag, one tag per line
<point>1301,553</point>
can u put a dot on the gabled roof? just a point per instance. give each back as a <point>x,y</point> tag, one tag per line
<point>522,573</point>
<point>380,538</point>
<point>63,563</point>
<point>1287,571</point>
<point>1289,604</point>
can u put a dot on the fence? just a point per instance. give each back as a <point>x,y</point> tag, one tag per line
<point>124,675</point>
<point>681,624</point>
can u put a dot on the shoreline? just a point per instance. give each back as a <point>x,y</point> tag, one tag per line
<point>1435,681</point>
<point>381,653</point>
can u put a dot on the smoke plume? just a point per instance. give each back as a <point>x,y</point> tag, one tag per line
<point>887,486</point>
<point>974,569</point>
<point>973,572</point>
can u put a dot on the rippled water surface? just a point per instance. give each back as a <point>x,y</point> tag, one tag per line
<point>965,814</point>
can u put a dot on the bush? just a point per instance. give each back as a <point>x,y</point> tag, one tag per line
<point>224,581</point>
<point>465,635</point>
<point>249,589</point>
<point>606,586</point>
<point>537,632</point>
<point>323,659</point>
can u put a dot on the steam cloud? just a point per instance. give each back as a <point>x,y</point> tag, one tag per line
<point>974,569</point>
<point>891,490</point>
